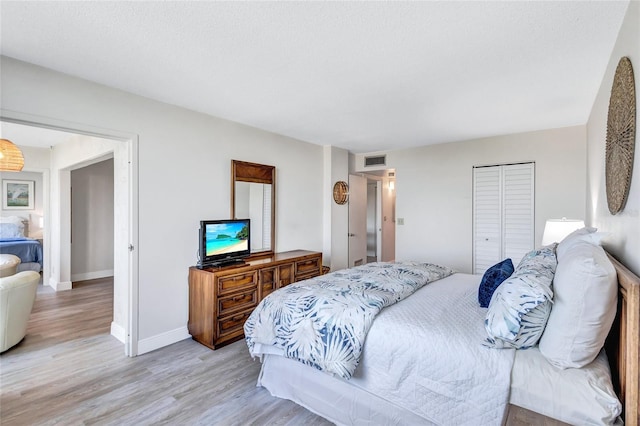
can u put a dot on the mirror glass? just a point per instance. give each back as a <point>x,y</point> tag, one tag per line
<point>253,196</point>
<point>253,201</point>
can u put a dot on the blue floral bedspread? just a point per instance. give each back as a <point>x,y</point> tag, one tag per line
<point>323,321</point>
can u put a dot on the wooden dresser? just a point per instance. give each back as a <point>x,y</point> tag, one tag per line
<point>221,299</point>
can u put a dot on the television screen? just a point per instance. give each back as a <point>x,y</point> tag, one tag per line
<point>224,241</point>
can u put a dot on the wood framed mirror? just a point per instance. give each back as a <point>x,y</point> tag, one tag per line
<point>253,196</point>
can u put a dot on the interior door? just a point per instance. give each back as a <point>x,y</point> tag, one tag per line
<point>357,220</point>
<point>487,217</point>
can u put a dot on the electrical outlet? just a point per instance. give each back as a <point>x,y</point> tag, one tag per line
<point>400,221</point>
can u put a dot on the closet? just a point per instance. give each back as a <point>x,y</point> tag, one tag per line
<point>503,214</point>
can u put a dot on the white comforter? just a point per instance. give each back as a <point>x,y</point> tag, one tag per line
<point>437,366</point>
<point>425,354</point>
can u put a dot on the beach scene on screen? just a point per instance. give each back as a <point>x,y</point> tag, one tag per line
<point>226,238</point>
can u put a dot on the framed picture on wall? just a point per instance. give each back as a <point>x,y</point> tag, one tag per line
<point>17,194</point>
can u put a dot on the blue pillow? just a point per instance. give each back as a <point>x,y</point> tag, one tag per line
<point>491,279</point>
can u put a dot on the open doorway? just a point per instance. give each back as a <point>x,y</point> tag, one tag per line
<point>372,217</point>
<point>374,226</point>
<point>92,218</point>
<point>74,149</point>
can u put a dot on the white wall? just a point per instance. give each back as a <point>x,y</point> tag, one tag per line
<point>335,217</point>
<point>434,189</point>
<point>92,221</point>
<point>36,158</point>
<point>184,169</point>
<point>624,227</point>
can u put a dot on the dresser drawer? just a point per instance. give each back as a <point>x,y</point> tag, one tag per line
<point>307,268</point>
<point>230,283</point>
<point>237,302</point>
<point>232,326</point>
<point>267,282</point>
<point>285,275</point>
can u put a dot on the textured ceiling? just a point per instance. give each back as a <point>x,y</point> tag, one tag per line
<point>364,76</point>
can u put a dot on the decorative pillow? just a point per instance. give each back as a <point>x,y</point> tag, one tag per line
<point>520,306</point>
<point>585,302</point>
<point>491,279</point>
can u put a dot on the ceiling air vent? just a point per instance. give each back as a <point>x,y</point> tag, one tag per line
<point>378,160</point>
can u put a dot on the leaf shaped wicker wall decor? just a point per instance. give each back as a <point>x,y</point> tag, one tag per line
<point>621,136</point>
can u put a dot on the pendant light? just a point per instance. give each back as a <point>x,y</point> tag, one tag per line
<point>11,159</point>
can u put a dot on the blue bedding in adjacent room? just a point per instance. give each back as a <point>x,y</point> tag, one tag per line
<point>26,249</point>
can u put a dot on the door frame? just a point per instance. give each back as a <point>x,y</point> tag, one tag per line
<point>379,220</point>
<point>132,274</point>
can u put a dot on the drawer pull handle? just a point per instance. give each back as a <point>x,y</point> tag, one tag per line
<point>237,318</point>
<point>236,298</point>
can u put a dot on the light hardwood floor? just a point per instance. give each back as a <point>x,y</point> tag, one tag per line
<point>69,371</point>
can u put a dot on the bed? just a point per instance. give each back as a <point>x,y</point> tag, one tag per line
<point>428,372</point>
<point>13,240</point>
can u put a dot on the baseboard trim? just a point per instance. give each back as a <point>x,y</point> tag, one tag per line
<point>118,332</point>
<point>161,340</point>
<point>92,275</point>
<point>59,286</point>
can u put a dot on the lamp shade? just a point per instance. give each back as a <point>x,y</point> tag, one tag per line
<point>556,229</point>
<point>11,159</point>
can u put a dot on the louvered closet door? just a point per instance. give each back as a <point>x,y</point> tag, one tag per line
<point>487,217</point>
<point>503,214</point>
<point>517,211</point>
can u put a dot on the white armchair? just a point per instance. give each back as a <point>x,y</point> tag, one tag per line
<point>17,294</point>
<point>8,264</point>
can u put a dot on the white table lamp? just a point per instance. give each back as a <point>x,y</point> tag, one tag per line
<point>556,229</point>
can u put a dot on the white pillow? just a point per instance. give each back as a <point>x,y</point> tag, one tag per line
<point>587,234</point>
<point>578,396</point>
<point>584,306</point>
<point>9,231</point>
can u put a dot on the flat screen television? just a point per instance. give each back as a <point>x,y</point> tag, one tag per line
<point>224,242</point>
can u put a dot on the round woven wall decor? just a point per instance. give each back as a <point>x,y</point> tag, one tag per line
<point>340,192</point>
<point>621,136</point>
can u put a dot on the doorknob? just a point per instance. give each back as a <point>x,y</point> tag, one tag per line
<point>351,235</point>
